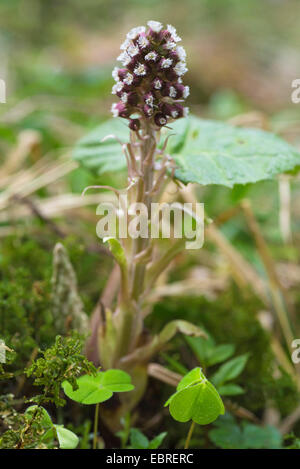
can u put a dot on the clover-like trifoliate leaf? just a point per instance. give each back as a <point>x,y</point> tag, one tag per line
<point>98,388</point>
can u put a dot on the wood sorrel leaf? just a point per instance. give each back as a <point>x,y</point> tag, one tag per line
<point>98,388</point>
<point>196,399</point>
<point>206,152</point>
<point>66,438</point>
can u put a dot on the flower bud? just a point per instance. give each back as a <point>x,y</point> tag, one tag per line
<point>164,35</point>
<point>170,90</point>
<point>134,124</point>
<point>119,110</point>
<point>149,99</point>
<point>149,83</point>
<point>160,119</point>
<point>148,110</point>
<point>157,84</point>
<point>122,72</point>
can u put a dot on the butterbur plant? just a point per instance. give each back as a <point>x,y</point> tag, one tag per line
<point>151,96</point>
<point>152,137</point>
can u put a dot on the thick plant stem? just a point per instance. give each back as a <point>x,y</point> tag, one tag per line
<point>129,314</point>
<point>96,419</point>
<point>189,436</point>
<point>128,323</point>
<point>148,148</point>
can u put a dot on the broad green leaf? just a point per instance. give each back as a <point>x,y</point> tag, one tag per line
<point>199,402</point>
<point>90,390</point>
<point>66,438</point>
<point>230,390</point>
<point>218,153</point>
<point>99,388</point>
<point>230,370</point>
<point>107,156</point>
<point>196,399</point>
<point>206,152</point>
<point>117,381</point>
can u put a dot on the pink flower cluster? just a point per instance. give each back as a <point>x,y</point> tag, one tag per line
<point>149,84</point>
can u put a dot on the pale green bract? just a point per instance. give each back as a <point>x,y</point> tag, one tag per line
<point>66,438</point>
<point>196,399</point>
<point>206,152</point>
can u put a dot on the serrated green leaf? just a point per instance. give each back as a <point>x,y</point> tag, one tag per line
<point>99,388</point>
<point>206,152</point>
<point>230,370</point>
<point>218,153</point>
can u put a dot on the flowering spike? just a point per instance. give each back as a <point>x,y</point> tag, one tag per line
<point>149,84</point>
